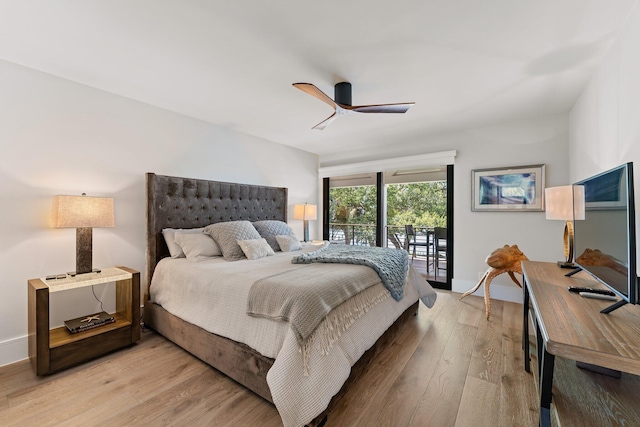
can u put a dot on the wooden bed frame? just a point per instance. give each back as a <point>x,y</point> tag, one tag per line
<point>174,202</point>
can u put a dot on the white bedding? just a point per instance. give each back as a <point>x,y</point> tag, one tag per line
<point>213,295</point>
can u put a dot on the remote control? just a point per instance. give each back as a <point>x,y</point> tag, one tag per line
<point>593,291</point>
<point>597,296</point>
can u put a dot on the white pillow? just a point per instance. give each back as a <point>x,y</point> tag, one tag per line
<point>288,243</point>
<point>197,246</point>
<point>256,248</point>
<point>169,237</point>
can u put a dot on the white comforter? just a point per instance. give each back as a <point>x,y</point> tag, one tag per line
<point>213,295</point>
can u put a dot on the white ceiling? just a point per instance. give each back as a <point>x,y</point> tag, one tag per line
<point>465,63</point>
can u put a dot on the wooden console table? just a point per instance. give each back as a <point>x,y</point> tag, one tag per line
<point>572,327</point>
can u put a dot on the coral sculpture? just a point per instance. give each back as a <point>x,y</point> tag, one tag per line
<point>503,260</point>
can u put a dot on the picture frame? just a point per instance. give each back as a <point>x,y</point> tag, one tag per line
<point>510,189</point>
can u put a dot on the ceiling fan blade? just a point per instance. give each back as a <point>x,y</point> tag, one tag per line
<point>382,108</point>
<point>315,92</point>
<point>323,124</point>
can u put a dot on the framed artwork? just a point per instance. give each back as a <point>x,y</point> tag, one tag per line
<point>513,189</point>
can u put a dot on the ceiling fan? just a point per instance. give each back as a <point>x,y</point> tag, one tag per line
<point>342,104</point>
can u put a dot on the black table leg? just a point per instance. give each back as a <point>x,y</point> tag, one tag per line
<point>546,363</point>
<point>525,327</point>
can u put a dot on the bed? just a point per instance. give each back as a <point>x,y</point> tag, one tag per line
<point>174,202</point>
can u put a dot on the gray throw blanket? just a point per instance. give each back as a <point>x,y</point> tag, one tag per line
<point>304,295</point>
<point>391,265</point>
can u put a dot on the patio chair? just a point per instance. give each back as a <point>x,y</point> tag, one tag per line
<point>411,241</point>
<point>440,247</point>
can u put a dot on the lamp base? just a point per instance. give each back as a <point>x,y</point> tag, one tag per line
<point>568,247</point>
<point>84,249</point>
<point>565,264</point>
<point>306,230</point>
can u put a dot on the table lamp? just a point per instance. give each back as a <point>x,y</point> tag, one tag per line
<point>565,203</point>
<point>82,213</point>
<point>305,212</point>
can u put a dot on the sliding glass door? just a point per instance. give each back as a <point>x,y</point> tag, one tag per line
<point>379,209</point>
<point>418,220</point>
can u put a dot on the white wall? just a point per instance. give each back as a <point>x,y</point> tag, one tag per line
<point>477,234</point>
<point>605,120</point>
<point>59,137</point>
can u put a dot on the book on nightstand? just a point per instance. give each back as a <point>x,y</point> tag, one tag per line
<point>91,321</point>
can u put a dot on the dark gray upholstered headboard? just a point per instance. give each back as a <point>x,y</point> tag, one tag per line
<point>174,202</point>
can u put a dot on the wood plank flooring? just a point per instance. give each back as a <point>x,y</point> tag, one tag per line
<point>447,367</point>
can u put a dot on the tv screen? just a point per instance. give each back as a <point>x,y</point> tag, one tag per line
<point>604,241</point>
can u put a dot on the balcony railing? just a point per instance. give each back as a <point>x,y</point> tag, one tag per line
<point>353,234</point>
<point>365,234</point>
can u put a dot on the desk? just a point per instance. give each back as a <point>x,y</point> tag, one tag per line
<point>572,327</point>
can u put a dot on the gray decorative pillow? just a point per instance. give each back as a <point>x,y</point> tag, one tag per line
<point>255,248</point>
<point>197,246</point>
<point>289,243</point>
<point>227,234</point>
<point>169,237</point>
<point>269,229</point>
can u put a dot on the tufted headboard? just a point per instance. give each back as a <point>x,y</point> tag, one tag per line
<point>174,202</point>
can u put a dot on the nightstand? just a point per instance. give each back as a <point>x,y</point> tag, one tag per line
<point>51,350</point>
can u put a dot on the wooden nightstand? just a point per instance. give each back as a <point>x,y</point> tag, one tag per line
<point>57,349</point>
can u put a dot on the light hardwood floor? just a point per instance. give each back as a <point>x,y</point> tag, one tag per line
<point>447,367</point>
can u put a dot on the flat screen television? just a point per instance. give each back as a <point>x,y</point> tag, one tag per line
<point>605,241</point>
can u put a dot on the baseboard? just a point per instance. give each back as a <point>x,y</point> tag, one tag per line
<point>14,350</point>
<point>499,291</point>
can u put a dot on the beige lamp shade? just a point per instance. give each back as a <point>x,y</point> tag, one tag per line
<point>565,203</point>
<point>305,212</point>
<point>82,211</point>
